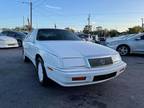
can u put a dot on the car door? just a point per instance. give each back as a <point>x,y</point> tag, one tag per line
<point>33,45</point>
<point>29,46</point>
<point>142,44</point>
<point>139,44</point>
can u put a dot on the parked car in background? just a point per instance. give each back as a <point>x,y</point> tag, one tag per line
<point>102,40</point>
<point>25,32</point>
<point>63,57</point>
<point>7,42</point>
<point>88,37</point>
<point>17,35</point>
<point>120,37</point>
<point>133,43</point>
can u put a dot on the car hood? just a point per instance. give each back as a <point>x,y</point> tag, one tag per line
<point>6,38</point>
<point>66,49</point>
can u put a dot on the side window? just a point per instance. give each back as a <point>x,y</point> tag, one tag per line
<point>5,33</point>
<point>142,37</point>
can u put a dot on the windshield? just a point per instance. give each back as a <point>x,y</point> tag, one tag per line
<point>1,34</point>
<point>55,34</point>
<point>127,36</point>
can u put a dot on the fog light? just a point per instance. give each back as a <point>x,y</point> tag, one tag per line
<point>78,78</point>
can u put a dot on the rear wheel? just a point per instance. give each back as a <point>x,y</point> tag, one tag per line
<point>123,50</point>
<point>41,72</point>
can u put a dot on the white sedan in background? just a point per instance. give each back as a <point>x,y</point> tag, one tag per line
<point>61,56</point>
<point>7,42</point>
<point>128,44</point>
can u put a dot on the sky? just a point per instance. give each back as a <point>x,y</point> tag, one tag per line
<point>110,14</point>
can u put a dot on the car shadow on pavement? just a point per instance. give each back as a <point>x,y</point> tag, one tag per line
<point>136,55</point>
<point>82,96</point>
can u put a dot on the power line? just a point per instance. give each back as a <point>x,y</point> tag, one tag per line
<point>35,1</point>
<point>37,4</point>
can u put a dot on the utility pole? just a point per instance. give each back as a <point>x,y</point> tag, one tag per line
<point>89,19</point>
<point>89,23</point>
<point>55,26</point>
<point>23,21</point>
<point>142,22</point>
<point>30,15</point>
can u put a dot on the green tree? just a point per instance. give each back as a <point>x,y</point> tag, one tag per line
<point>70,29</point>
<point>113,33</point>
<point>88,29</point>
<point>135,29</point>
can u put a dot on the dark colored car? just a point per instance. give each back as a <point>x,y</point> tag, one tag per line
<point>17,35</point>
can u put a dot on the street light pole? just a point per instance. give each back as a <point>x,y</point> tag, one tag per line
<point>142,22</point>
<point>89,19</point>
<point>31,15</point>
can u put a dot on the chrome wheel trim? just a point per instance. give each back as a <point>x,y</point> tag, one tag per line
<point>123,50</point>
<point>40,72</point>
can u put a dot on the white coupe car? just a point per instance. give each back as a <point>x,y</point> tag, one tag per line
<point>7,42</point>
<point>61,56</point>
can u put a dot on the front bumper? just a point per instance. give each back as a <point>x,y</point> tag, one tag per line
<point>64,77</point>
<point>9,45</point>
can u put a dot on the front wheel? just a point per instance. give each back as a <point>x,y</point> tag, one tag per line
<point>123,50</point>
<point>41,72</point>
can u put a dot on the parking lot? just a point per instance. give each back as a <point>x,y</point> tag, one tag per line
<point>19,87</point>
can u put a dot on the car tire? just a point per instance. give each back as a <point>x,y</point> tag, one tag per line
<point>19,43</point>
<point>25,58</point>
<point>123,50</point>
<point>41,72</point>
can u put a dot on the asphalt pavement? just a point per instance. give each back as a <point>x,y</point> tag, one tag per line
<point>19,87</point>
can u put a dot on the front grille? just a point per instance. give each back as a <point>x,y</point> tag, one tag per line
<point>104,77</point>
<point>100,62</point>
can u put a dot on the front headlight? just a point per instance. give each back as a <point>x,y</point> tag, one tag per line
<point>116,58</point>
<point>73,62</point>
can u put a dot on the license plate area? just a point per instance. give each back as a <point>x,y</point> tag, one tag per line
<point>104,77</point>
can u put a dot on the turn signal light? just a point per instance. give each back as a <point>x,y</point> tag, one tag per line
<point>78,78</point>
